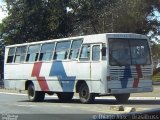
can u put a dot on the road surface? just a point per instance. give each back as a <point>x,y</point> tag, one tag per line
<point>17,106</point>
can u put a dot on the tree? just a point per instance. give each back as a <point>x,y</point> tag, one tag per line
<point>32,20</point>
<point>1,29</point>
<point>1,56</point>
<point>99,16</point>
<point>1,50</point>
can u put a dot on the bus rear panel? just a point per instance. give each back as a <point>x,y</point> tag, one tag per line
<point>130,66</point>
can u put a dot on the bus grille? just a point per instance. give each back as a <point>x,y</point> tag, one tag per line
<point>122,72</point>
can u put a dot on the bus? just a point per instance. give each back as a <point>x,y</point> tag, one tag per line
<point>108,64</point>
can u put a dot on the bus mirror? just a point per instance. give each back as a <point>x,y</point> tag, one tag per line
<point>103,51</point>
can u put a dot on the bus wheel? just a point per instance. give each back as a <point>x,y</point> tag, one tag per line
<point>35,96</point>
<point>122,98</point>
<point>65,96</point>
<point>84,94</point>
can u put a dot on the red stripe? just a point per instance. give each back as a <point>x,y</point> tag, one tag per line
<point>43,84</point>
<point>139,75</point>
<point>36,69</point>
<point>136,81</point>
<point>41,80</point>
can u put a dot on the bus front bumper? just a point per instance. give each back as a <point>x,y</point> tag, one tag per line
<point>131,90</point>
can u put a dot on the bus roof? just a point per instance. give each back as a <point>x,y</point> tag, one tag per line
<point>109,35</point>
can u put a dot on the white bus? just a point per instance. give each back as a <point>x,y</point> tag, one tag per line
<point>94,65</point>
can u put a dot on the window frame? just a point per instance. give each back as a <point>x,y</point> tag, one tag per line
<point>11,55</point>
<point>66,50</point>
<point>52,52</point>
<point>117,63</point>
<point>20,54</point>
<point>85,59</point>
<point>73,49</point>
<point>36,54</point>
<point>100,53</point>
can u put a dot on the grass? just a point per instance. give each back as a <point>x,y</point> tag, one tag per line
<point>156,78</point>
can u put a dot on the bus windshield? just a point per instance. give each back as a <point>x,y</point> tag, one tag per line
<point>129,52</point>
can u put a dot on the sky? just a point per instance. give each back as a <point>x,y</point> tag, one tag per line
<point>2,7</point>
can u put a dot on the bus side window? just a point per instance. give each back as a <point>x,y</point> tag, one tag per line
<point>47,52</point>
<point>20,54</point>
<point>96,53</point>
<point>76,44</point>
<point>33,52</point>
<point>85,53</point>
<point>10,55</point>
<point>62,50</point>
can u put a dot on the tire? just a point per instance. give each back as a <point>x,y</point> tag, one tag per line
<point>35,96</point>
<point>85,95</point>
<point>122,98</point>
<point>65,96</point>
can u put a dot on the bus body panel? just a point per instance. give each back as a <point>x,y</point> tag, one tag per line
<point>59,76</point>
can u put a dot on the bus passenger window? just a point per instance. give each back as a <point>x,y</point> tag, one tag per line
<point>85,53</point>
<point>20,54</point>
<point>33,52</point>
<point>62,50</point>
<point>47,52</point>
<point>10,55</point>
<point>76,44</point>
<point>96,53</point>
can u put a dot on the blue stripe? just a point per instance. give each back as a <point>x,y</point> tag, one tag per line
<point>58,70</point>
<point>127,74</point>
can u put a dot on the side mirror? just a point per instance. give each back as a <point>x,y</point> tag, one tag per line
<point>103,51</point>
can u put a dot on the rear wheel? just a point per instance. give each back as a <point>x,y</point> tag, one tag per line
<point>65,96</point>
<point>35,96</point>
<point>122,98</point>
<point>85,95</point>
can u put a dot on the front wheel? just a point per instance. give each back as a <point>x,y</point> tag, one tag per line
<point>122,98</point>
<point>35,96</point>
<point>85,95</point>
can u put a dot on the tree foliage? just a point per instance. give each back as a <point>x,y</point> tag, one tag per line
<point>1,50</point>
<point>32,20</point>
<point>1,56</point>
<point>99,16</point>
<point>1,29</point>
